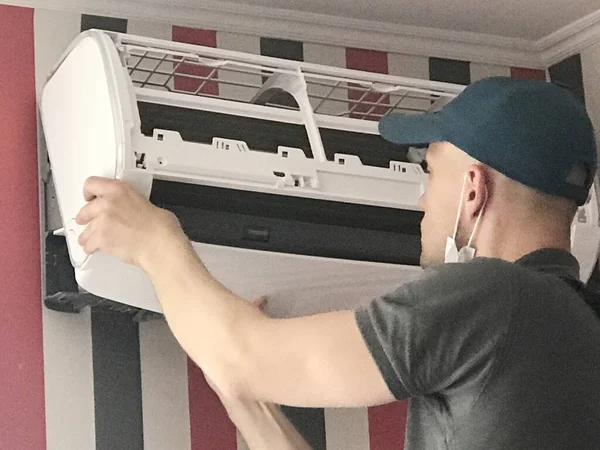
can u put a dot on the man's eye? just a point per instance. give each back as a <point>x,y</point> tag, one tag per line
<point>425,166</point>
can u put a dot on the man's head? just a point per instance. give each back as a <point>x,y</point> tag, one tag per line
<point>503,147</point>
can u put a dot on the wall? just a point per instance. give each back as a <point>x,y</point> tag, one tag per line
<point>113,383</point>
<point>21,360</point>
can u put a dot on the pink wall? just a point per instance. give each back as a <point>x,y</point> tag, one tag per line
<point>22,424</point>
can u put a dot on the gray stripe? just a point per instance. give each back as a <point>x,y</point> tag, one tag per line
<point>568,74</point>
<point>310,423</point>
<point>117,381</point>
<point>449,71</point>
<point>103,23</point>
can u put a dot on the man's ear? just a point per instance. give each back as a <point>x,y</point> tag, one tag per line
<point>477,190</point>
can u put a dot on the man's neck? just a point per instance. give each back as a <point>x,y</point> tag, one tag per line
<point>510,239</point>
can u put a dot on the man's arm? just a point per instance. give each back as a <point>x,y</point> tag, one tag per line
<point>263,425</point>
<point>319,360</point>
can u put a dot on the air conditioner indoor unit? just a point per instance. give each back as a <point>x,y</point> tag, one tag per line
<point>275,168</point>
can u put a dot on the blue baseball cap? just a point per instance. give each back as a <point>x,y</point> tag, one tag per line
<point>533,132</point>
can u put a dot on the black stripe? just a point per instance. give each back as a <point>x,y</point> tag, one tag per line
<point>285,49</point>
<point>449,71</point>
<point>310,423</point>
<point>282,48</point>
<point>568,74</point>
<point>103,23</point>
<point>117,381</point>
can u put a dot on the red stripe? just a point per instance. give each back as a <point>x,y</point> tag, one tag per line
<point>210,426</point>
<point>207,38</point>
<point>387,423</point>
<point>371,61</point>
<point>387,426</point>
<point>22,424</point>
<point>531,74</point>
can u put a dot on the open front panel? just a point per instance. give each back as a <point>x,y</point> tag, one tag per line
<point>83,126</point>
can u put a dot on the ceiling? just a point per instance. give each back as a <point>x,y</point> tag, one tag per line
<point>526,19</point>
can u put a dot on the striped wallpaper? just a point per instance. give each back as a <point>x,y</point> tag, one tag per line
<point>99,379</point>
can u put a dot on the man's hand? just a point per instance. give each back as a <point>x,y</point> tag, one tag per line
<point>122,223</point>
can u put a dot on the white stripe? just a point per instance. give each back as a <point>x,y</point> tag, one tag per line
<point>54,32</point>
<point>590,62</point>
<point>330,56</point>
<point>408,66</point>
<point>325,54</point>
<point>69,380</point>
<point>165,398</point>
<point>479,71</point>
<point>347,428</point>
<point>155,30</point>
<point>68,371</point>
<point>239,43</point>
<point>412,67</point>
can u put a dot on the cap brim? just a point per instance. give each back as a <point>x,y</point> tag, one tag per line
<point>421,129</point>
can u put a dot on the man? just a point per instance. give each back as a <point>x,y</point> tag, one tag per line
<point>498,352</point>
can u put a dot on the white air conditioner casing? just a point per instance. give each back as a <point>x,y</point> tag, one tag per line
<point>90,109</point>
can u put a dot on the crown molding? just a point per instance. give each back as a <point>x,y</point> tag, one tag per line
<point>347,32</point>
<point>570,39</point>
<point>314,28</point>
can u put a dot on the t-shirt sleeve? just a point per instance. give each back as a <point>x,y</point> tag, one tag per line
<point>441,330</point>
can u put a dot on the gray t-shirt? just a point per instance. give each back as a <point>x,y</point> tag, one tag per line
<point>493,355</point>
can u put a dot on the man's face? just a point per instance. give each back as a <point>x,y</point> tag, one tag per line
<point>439,202</point>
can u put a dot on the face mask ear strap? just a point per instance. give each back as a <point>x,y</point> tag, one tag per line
<point>460,202</point>
<point>478,218</point>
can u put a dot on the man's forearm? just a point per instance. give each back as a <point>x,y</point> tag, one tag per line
<point>304,361</point>
<point>264,426</point>
<point>207,319</point>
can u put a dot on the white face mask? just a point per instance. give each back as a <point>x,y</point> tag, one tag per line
<point>465,254</point>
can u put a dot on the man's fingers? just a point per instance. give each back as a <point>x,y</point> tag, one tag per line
<point>86,239</point>
<point>99,187</point>
<point>92,245</point>
<point>90,211</point>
